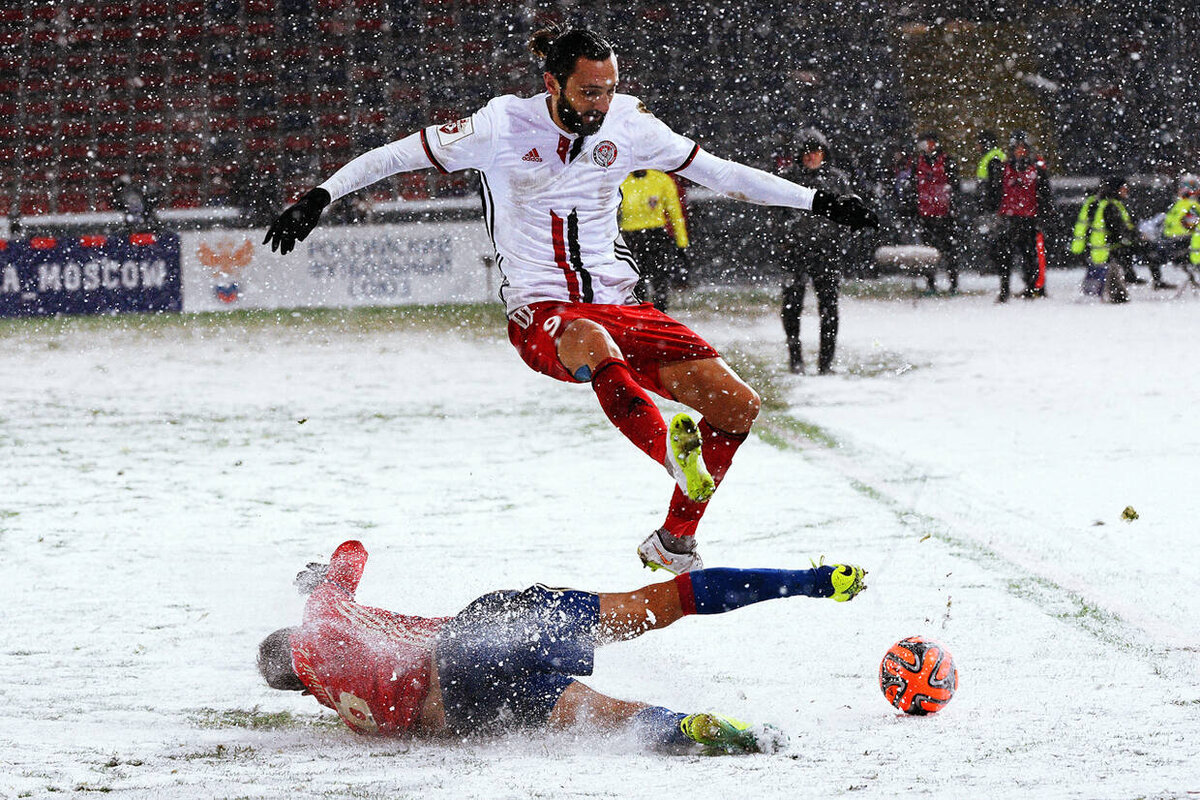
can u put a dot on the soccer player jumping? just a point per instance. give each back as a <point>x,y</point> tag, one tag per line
<point>507,661</point>
<point>551,167</point>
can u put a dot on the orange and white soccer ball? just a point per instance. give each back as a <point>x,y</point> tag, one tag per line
<point>918,675</point>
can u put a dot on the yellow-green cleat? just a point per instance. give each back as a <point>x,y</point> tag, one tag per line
<point>721,735</point>
<point>684,459</point>
<point>847,580</point>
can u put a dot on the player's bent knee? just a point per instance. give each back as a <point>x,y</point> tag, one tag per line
<point>583,344</point>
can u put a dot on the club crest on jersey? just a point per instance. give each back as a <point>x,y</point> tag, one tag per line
<point>453,131</point>
<point>604,154</point>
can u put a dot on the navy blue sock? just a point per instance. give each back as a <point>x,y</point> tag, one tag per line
<point>715,591</point>
<point>659,727</point>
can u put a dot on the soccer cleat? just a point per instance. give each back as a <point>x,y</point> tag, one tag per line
<point>721,735</point>
<point>654,554</point>
<point>684,460</point>
<point>847,580</point>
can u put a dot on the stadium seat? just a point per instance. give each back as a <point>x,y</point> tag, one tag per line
<point>152,10</point>
<point>414,186</point>
<point>31,205</point>
<point>72,202</point>
<point>148,126</point>
<point>114,11</point>
<point>148,148</point>
<point>75,152</point>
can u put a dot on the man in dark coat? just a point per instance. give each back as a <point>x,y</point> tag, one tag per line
<point>813,251</point>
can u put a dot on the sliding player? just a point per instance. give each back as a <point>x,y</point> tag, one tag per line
<point>507,661</point>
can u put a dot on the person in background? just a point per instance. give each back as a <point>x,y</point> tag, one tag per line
<point>814,252</point>
<point>136,202</point>
<point>936,177</point>
<point>649,206</point>
<point>508,661</point>
<point>1083,225</point>
<point>1179,228</point>
<point>1113,237</point>
<point>988,248</point>
<point>1019,196</point>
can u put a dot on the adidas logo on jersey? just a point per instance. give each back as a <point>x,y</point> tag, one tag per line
<point>532,155</point>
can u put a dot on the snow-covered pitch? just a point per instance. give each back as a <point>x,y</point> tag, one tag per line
<point>163,481</point>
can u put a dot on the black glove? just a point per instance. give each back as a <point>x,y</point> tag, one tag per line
<point>297,222</point>
<point>846,209</point>
<point>312,576</point>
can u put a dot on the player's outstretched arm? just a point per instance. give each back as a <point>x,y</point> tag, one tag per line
<point>756,186</point>
<point>297,222</point>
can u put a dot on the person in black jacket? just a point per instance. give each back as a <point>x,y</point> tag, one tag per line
<point>813,251</point>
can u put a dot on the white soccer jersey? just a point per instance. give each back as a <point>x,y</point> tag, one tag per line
<point>551,199</point>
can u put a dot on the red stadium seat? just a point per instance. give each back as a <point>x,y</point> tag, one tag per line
<point>114,127</point>
<point>123,33</point>
<point>153,10</point>
<point>75,152</point>
<point>338,119</point>
<point>34,204</point>
<point>185,147</point>
<point>414,186</point>
<point>72,202</point>
<point>112,150</point>
<point>70,108</point>
<point>144,104</point>
<point>116,11</point>
<point>296,100</point>
<point>145,126</point>
<point>40,130</point>
<point>148,148</point>
<point>184,195</point>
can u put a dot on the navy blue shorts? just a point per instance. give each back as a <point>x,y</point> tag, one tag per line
<point>504,661</point>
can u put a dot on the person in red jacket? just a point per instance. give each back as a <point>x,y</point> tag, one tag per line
<point>508,660</point>
<point>1019,195</point>
<point>935,176</point>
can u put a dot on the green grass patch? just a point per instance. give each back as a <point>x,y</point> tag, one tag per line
<point>254,719</point>
<point>474,319</point>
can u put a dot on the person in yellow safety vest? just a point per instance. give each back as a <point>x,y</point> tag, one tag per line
<point>1083,224</point>
<point>1181,221</point>
<point>1111,238</point>
<point>649,199</point>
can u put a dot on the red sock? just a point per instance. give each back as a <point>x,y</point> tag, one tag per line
<point>630,408</point>
<point>684,515</point>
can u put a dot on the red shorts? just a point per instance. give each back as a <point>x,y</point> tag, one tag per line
<point>647,337</point>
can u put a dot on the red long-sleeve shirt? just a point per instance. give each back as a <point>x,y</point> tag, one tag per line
<point>368,664</point>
